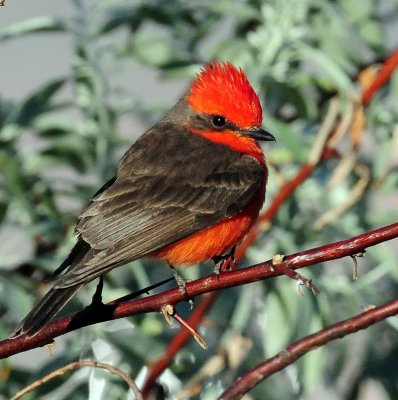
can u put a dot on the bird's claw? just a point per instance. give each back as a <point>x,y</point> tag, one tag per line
<point>226,262</point>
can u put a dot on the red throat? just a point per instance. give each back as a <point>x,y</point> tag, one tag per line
<point>241,144</point>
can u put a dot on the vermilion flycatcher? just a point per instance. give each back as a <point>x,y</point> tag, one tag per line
<point>187,191</point>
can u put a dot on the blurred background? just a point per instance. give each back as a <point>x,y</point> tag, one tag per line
<point>80,80</point>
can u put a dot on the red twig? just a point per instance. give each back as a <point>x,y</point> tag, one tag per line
<point>177,342</point>
<point>303,346</point>
<point>384,74</point>
<point>198,287</point>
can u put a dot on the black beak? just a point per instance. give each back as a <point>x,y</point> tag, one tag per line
<point>259,134</point>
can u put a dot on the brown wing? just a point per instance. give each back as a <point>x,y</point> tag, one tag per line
<point>170,184</point>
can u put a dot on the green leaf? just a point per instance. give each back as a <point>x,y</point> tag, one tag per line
<point>150,49</point>
<point>243,10</point>
<point>288,139</point>
<point>66,154</point>
<point>337,77</point>
<point>16,246</point>
<point>357,14</point>
<point>34,25</point>
<point>3,210</point>
<point>313,361</point>
<point>372,33</point>
<point>38,102</point>
<point>9,133</point>
<point>278,327</point>
<point>16,298</point>
<point>233,49</point>
<point>119,16</point>
<point>49,125</point>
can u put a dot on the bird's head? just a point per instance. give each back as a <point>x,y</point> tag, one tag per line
<point>223,100</point>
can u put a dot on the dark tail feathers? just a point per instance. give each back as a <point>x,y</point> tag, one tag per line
<point>48,306</point>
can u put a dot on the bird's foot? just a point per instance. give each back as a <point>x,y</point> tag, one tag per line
<point>226,262</point>
<point>182,284</point>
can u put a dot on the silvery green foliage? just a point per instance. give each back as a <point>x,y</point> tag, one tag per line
<point>62,141</point>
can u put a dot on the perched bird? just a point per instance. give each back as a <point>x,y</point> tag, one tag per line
<point>186,191</point>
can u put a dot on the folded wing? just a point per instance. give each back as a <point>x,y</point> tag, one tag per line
<point>170,184</point>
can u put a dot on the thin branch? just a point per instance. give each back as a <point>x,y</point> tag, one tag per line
<point>178,342</point>
<point>384,74</point>
<point>354,195</point>
<point>303,346</point>
<point>80,364</point>
<point>324,132</point>
<point>170,312</point>
<point>198,287</point>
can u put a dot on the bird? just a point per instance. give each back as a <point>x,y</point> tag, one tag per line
<point>187,191</point>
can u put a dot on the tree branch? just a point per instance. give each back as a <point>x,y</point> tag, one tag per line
<point>384,74</point>
<point>288,356</point>
<point>211,283</point>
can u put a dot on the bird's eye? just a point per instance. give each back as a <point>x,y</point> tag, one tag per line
<point>218,121</point>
